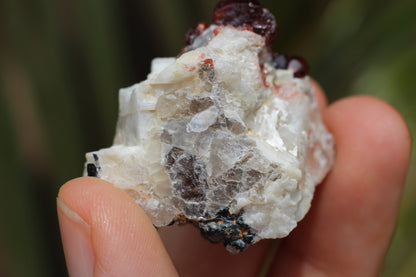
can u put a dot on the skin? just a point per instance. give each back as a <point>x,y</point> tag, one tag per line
<point>346,233</point>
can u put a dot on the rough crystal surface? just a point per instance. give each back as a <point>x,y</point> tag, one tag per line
<point>221,138</point>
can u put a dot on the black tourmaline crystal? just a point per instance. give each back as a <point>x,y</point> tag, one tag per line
<point>92,170</point>
<point>229,229</point>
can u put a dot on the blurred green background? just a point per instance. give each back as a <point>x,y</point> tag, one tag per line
<point>62,63</point>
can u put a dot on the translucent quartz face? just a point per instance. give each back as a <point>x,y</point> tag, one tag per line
<point>222,138</point>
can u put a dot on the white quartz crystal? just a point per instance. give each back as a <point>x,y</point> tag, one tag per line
<point>213,132</point>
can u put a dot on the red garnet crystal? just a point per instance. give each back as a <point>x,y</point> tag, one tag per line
<point>195,32</point>
<point>298,66</point>
<point>249,14</point>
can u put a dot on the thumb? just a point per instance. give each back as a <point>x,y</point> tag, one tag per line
<point>105,233</point>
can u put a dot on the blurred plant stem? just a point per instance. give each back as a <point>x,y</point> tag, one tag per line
<point>62,63</point>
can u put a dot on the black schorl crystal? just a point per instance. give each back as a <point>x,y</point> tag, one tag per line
<point>92,170</point>
<point>229,229</point>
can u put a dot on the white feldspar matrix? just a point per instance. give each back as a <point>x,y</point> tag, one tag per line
<point>227,136</point>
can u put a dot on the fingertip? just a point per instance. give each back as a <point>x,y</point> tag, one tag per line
<point>374,123</point>
<point>123,239</point>
<point>84,185</point>
<point>76,239</point>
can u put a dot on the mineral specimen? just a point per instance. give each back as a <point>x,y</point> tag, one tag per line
<point>227,136</point>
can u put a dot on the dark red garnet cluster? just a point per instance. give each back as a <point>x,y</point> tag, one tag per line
<point>296,64</point>
<point>251,15</point>
<point>195,32</point>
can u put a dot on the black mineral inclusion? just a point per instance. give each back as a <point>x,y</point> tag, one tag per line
<point>93,169</point>
<point>229,229</point>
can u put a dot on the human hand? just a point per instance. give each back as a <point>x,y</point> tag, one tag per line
<point>346,233</point>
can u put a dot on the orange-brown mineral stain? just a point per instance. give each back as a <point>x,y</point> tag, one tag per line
<point>218,30</point>
<point>264,72</point>
<point>209,62</point>
<point>190,68</point>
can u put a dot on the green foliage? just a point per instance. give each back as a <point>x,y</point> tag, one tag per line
<point>62,62</point>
